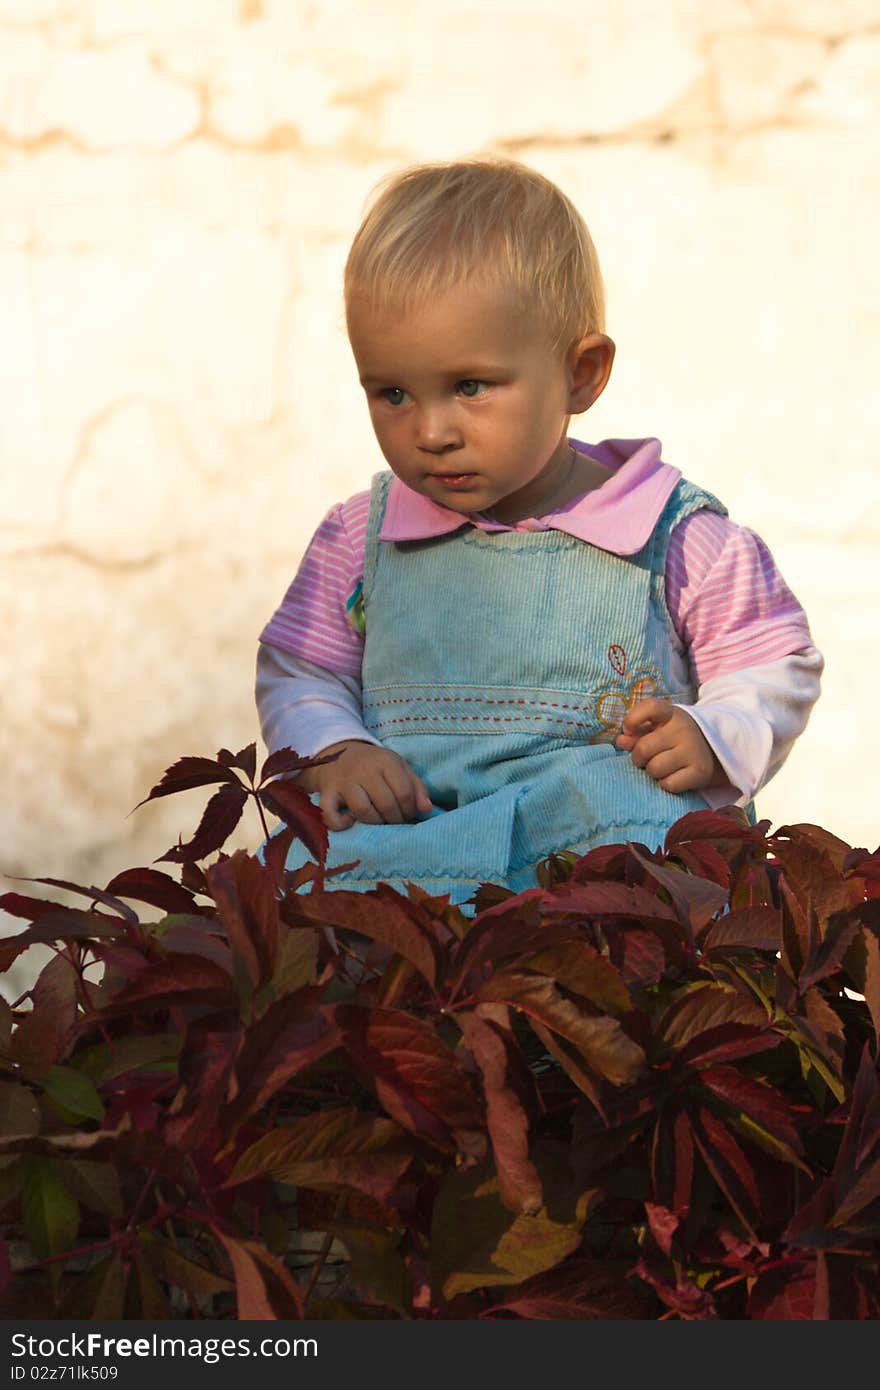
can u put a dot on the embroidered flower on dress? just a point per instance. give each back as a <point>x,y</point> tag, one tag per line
<point>619,696</point>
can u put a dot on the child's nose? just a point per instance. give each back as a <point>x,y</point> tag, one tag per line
<point>436,429</point>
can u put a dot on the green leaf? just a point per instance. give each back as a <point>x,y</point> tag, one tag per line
<point>297,961</point>
<point>19,1113</point>
<point>166,1261</point>
<point>98,1294</point>
<point>75,1091</point>
<point>377,1269</point>
<point>477,1243</point>
<point>106,1061</point>
<point>50,1213</point>
<point>95,1185</point>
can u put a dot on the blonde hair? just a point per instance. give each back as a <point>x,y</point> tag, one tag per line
<point>487,221</point>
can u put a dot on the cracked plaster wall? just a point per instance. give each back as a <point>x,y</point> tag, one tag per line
<point>178,185</point>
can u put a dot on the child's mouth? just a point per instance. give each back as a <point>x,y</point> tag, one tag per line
<point>455,480</point>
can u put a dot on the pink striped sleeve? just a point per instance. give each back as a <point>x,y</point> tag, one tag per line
<point>727,600</point>
<point>312,620</point>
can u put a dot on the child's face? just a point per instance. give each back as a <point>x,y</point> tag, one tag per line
<point>468,400</point>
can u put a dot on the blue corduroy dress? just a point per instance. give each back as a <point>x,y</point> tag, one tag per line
<point>500,666</point>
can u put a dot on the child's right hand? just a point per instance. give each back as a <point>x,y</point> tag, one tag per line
<point>366,783</point>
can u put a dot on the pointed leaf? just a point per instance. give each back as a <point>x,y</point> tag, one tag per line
<point>180,1270</point>
<point>580,1289</point>
<point>696,900</point>
<point>95,895</point>
<point>245,760</point>
<point>291,1035</point>
<point>600,1039</point>
<point>74,1091</point>
<point>95,1185</point>
<point>785,1293</point>
<point>206,1061</point>
<point>18,1110</point>
<point>761,1112</point>
<point>477,1243</point>
<point>293,806</point>
<point>251,1265</point>
<point>839,934</point>
<point>580,969</point>
<point>188,773</point>
<point>49,1212</point>
<point>726,1043</point>
<point>329,1150</point>
<point>97,1294</point>
<point>248,909</point>
<point>729,1167</point>
<point>69,924</point>
<point>381,915</point>
<point>179,980</point>
<point>705,1007</point>
<point>219,819</point>
<point>746,928</point>
<point>598,899</point>
<point>500,1062</point>
<point>155,888</point>
<point>730,824</point>
<point>416,1078</point>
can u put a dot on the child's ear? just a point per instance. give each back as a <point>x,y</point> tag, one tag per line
<point>589,364</point>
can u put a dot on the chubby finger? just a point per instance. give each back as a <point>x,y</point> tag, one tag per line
<point>360,804</point>
<point>665,764</point>
<point>648,746</point>
<point>652,713</point>
<point>335,813</point>
<point>424,804</point>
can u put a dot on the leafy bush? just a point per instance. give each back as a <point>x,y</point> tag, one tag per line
<point>645,1089</point>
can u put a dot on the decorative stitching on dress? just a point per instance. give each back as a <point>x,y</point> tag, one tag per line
<point>485,718</point>
<point>473,700</point>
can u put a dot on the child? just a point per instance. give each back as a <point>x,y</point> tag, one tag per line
<point>518,643</point>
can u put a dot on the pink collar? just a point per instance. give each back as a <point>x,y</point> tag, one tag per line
<point>619,516</point>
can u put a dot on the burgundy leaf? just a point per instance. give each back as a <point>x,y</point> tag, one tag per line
<point>220,817</point>
<point>640,956</point>
<point>291,1035</point>
<point>180,980</point>
<point>381,915</point>
<point>206,1060</point>
<point>730,824</point>
<point>700,857</point>
<point>664,1224</point>
<point>684,1297</point>
<point>330,1150</point>
<point>746,928</point>
<point>293,806</point>
<point>245,760</point>
<point>187,773</point>
<point>706,1007</point>
<point>786,1293</point>
<point>192,936</point>
<point>17,905</point>
<point>696,900</point>
<point>155,888</point>
<point>500,1063</point>
<point>757,1100</point>
<point>579,1289</point>
<point>286,760</point>
<point>419,1081</point>
<point>729,1167</point>
<point>839,934</point>
<point>49,1029</point>
<point>69,924</point>
<point>95,895</point>
<point>580,969</point>
<point>726,1043</point>
<point>275,851</point>
<point>248,909</point>
<point>672,1161</point>
<point>600,1040</point>
<point>608,900</point>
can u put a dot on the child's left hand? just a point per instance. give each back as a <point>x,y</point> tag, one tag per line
<point>664,740</point>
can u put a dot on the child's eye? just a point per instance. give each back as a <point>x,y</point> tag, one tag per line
<point>470,387</point>
<point>394,395</point>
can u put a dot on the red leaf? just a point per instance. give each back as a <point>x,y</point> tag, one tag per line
<point>700,857</point>
<point>726,1043</point>
<point>729,1167</point>
<point>95,895</point>
<point>608,900</point>
<point>265,1289</point>
<point>153,887</point>
<point>419,1081</point>
<point>274,852</point>
<point>685,1297</point>
<point>245,760</point>
<point>600,1040</point>
<point>330,1150</point>
<point>287,760</point>
<point>187,773</point>
<point>381,915</point>
<point>170,983</point>
<point>206,1061</point>
<point>293,806</point>
<point>292,1034</point>
<point>746,928</point>
<point>248,909</point>
<point>44,1036</point>
<point>759,1101</point>
<point>663,1223</point>
<point>672,1161</point>
<point>581,1289</point>
<point>220,817</point>
<point>839,934</point>
<point>69,924</point>
<point>696,900</point>
<point>500,1063</point>
<point>786,1293</point>
<point>706,1007</point>
<point>730,824</point>
<point>638,955</point>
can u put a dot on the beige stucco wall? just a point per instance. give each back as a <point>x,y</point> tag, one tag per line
<point>178,185</point>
